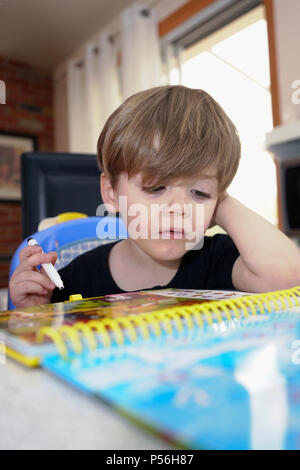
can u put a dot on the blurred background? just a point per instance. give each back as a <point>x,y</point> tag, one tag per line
<point>65,65</point>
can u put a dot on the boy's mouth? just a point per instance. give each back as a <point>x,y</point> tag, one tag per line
<point>172,234</point>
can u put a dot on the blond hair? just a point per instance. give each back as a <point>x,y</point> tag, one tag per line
<point>169,132</point>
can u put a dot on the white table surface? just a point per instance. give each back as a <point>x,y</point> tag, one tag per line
<point>39,411</point>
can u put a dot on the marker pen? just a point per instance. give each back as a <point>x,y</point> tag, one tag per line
<point>48,267</point>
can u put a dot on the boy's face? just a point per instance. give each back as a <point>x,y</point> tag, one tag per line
<point>168,220</point>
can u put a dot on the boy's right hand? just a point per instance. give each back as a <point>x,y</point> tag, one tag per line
<point>28,285</point>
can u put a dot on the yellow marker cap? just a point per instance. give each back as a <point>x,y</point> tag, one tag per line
<point>75,297</point>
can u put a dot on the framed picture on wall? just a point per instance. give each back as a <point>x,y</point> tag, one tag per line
<point>11,148</point>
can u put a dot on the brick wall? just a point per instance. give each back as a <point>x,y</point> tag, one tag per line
<point>28,111</point>
<point>10,236</point>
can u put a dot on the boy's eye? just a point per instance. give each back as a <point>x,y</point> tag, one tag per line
<point>154,190</point>
<point>200,194</point>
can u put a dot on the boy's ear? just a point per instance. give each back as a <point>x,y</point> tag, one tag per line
<point>108,194</point>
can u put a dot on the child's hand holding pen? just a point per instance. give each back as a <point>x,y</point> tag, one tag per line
<point>28,285</point>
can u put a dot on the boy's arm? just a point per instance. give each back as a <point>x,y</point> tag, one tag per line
<point>268,259</point>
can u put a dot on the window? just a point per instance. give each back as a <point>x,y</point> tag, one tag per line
<point>232,64</point>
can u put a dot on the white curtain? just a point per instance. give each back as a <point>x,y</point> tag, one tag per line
<point>91,97</point>
<point>140,51</point>
<point>93,93</point>
<point>76,108</point>
<point>93,80</point>
<point>109,85</point>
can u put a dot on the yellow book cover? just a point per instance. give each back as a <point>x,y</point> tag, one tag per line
<point>31,333</point>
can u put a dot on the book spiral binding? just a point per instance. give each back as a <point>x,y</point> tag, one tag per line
<point>180,317</point>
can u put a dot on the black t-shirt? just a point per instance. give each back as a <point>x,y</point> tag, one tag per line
<point>207,268</point>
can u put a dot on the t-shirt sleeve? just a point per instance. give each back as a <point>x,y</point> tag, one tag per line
<point>222,255</point>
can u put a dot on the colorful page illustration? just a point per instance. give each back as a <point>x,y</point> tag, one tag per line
<point>236,390</point>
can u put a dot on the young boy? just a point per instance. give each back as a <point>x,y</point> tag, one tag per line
<point>172,149</point>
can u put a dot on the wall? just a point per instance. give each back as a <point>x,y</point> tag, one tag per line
<point>29,111</point>
<point>10,236</point>
<point>61,130</point>
<point>287,35</point>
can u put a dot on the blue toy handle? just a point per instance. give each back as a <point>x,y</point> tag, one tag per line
<point>106,228</point>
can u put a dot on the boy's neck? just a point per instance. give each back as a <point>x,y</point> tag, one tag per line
<point>133,269</point>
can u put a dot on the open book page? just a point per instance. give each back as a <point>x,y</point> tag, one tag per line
<point>25,323</point>
<point>236,390</point>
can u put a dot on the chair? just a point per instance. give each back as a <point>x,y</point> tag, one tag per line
<point>53,183</point>
<point>70,239</point>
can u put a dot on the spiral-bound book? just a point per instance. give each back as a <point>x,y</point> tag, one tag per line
<point>31,333</point>
<point>203,369</point>
<point>221,374</point>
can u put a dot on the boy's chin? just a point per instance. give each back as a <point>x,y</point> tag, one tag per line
<point>164,250</point>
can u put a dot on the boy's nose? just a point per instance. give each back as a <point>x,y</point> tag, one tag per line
<point>177,201</point>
